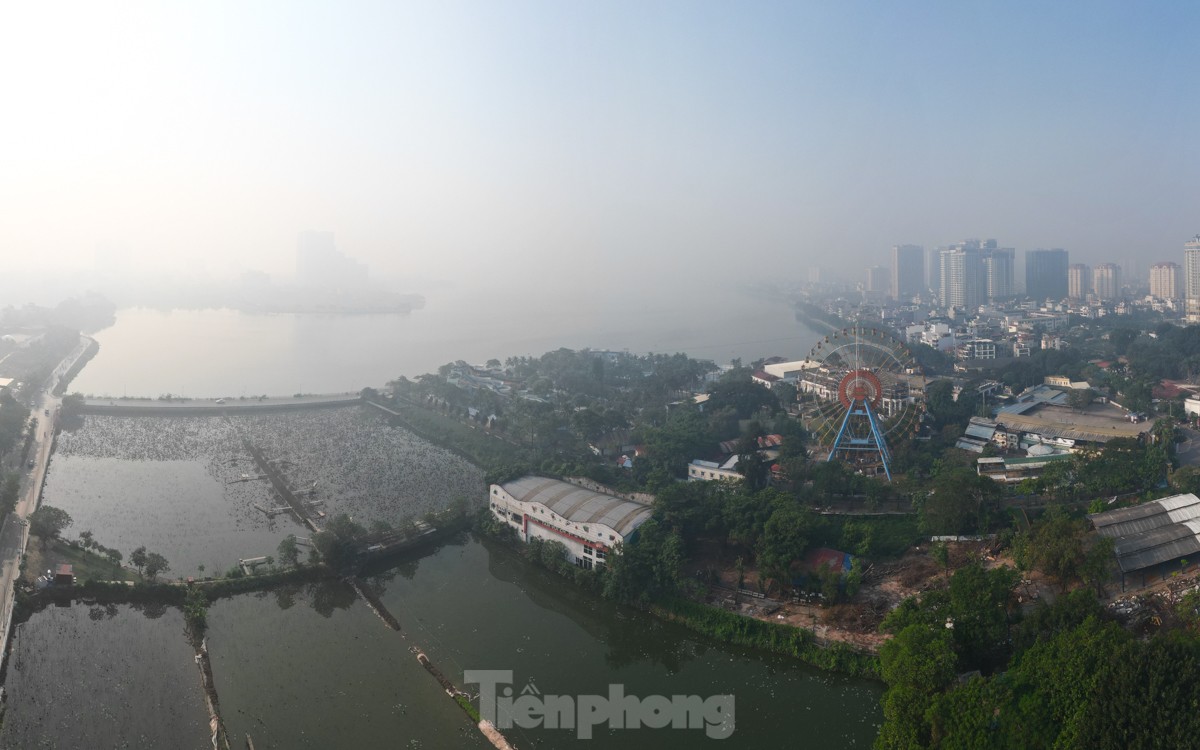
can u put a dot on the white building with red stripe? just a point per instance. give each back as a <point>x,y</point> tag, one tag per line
<point>589,523</point>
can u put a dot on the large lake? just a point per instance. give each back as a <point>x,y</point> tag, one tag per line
<point>210,353</point>
<point>311,666</point>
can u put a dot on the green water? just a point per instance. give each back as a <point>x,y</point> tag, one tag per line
<point>315,668</point>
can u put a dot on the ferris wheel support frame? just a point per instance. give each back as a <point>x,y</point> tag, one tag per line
<point>873,443</point>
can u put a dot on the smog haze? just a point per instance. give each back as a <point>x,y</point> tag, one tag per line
<point>526,145</point>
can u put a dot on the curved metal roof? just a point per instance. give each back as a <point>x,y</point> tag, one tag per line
<point>579,505</point>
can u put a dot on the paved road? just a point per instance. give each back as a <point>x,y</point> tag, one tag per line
<point>15,533</point>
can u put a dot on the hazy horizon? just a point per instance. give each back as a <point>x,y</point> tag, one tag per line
<point>524,145</point>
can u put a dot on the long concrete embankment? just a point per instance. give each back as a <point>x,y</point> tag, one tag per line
<point>205,407</point>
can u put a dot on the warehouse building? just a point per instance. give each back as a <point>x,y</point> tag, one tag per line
<point>589,523</point>
<point>1153,539</point>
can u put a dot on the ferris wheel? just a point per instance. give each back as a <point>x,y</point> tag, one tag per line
<point>867,391</point>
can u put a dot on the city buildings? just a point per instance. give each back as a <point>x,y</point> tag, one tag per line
<point>1166,281</point>
<point>878,282</point>
<point>999,265</point>
<point>1079,281</point>
<point>1191,278</point>
<point>1046,274</point>
<point>1106,281</point>
<point>908,271</point>
<point>964,282</point>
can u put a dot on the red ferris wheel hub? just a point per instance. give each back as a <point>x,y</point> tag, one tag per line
<point>860,385</point>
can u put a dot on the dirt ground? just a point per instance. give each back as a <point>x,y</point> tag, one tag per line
<point>857,620</point>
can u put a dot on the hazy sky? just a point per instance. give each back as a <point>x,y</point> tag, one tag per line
<point>594,141</point>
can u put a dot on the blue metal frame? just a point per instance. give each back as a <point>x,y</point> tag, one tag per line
<point>874,443</point>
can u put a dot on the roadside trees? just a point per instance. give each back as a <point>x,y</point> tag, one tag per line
<point>47,522</point>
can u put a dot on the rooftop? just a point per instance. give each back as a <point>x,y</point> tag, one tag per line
<point>1099,423</point>
<point>1151,533</point>
<point>577,504</point>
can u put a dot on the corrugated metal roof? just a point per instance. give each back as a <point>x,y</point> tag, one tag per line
<point>1151,515</point>
<point>1178,501</point>
<point>969,444</point>
<point>579,505</point>
<point>981,431</point>
<point>1153,532</point>
<point>1188,547</point>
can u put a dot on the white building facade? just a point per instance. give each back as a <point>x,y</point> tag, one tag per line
<point>588,523</point>
<point>1191,278</point>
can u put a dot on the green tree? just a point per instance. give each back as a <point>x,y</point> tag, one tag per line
<point>751,465</point>
<point>195,610</point>
<point>10,492</point>
<point>979,604</point>
<point>784,540</point>
<point>47,522</point>
<point>960,502</point>
<point>137,558</point>
<point>338,542</point>
<point>155,564</point>
<point>916,664</point>
<point>289,550</point>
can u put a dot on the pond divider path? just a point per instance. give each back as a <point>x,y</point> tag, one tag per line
<point>276,478</point>
<point>485,727</point>
<point>220,740</point>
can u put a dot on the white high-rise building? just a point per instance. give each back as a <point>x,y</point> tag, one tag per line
<point>878,281</point>
<point>973,272</point>
<point>1079,281</point>
<point>999,266</point>
<point>1191,278</point>
<point>1166,281</point>
<point>1106,281</point>
<point>963,283</point>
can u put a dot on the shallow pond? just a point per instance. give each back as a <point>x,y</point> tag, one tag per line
<point>104,677</point>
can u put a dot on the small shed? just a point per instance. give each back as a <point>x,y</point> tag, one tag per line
<point>64,575</point>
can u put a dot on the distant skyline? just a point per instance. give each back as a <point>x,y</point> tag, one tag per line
<point>529,142</point>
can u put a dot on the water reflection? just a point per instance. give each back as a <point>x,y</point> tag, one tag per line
<point>628,637</point>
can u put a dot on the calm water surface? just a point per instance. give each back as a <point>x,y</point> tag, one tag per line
<point>315,668</point>
<point>104,677</point>
<point>210,353</point>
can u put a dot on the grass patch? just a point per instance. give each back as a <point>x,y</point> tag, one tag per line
<point>465,704</point>
<point>88,565</point>
<point>768,636</point>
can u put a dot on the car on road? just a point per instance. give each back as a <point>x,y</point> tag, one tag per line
<point>30,464</point>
